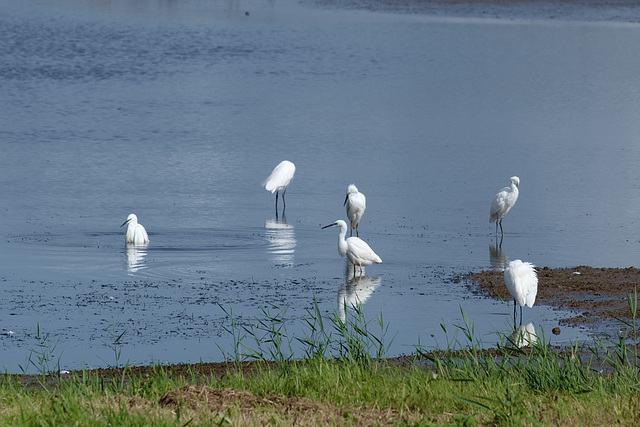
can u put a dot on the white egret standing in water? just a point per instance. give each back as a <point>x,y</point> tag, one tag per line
<point>356,204</point>
<point>522,282</point>
<point>503,202</point>
<point>279,180</point>
<point>356,249</point>
<point>135,234</point>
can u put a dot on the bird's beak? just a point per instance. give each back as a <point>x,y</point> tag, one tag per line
<point>345,200</point>
<point>126,222</point>
<point>330,225</point>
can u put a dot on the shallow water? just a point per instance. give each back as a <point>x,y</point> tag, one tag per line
<point>178,111</point>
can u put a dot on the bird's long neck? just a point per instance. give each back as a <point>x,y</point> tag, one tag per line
<point>131,228</point>
<point>342,243</point>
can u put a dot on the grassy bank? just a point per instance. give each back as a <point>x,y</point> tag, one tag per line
<point>345,379</point>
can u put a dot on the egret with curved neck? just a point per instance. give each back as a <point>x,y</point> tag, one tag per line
<point>356,250</point>
<point>135,234</point>
<point>356,203</point>
<point>503,201</point>
<point>279,180</point>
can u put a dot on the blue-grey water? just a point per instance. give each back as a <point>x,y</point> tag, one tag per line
<point>177,111</point>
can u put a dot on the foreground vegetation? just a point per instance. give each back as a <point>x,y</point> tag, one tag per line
<point>344,379</point>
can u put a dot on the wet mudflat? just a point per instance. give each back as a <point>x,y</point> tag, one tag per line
<point>598,296</point>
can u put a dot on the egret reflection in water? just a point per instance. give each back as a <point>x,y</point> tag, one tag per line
<point>135,257</point>
<point>282,241</point>
<point>524,336</point>
<point>497,258</point>
<point>355,292</point>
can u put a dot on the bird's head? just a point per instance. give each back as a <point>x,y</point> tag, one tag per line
<point>515,180</point>
<point>339,223</point>
<point>351,189</point>
<point>130,218</point>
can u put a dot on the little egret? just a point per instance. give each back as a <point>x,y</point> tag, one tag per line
<point>503,202</point>
<point>356,204</point>
<point>522,282</point>
<point>357,250</point>
<point>279,180</point>
<point>136,234</point>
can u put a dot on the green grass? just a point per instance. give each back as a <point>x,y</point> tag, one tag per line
<point>344,379</point>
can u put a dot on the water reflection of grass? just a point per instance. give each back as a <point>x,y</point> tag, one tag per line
<point>345,379</point>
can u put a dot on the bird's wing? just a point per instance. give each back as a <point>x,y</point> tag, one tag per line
<point>531,285</point>
<point>356,206</point>
<point>271,183</point>
<point>359,201</point>
<point>512,279</point>
<point>362,250</point>
<point>522,282</point>
<point>498,204</point>
<point>141,235</point>
<point>280,177</point>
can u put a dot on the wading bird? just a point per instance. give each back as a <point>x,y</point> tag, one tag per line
<point>522,282</point>
<point>135,234</point>
<point>357,250</point>
<point>279,180</point>
<point>356,204</point>
<point>503,202</point>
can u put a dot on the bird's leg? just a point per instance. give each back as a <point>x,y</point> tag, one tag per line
<point>357,230</point>
<point>497,228</point>
<point>520,315</point>
<point>501,238</point>
<point>514,314</point>
<point>284,203</point>
<point>501,230</point>
<point>277,202</point>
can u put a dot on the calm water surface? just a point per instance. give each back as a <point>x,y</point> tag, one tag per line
<point>177,111</point>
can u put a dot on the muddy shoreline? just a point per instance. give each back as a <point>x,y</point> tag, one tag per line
<point>597,295</point>
<point>563,10</point>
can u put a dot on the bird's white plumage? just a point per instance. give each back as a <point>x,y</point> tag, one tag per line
<point>135,234</point>
<point>504,200</point>
<point>280,177</point>
<point>355,203</point>
<point>522,282</point>
<point>357,250</point>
